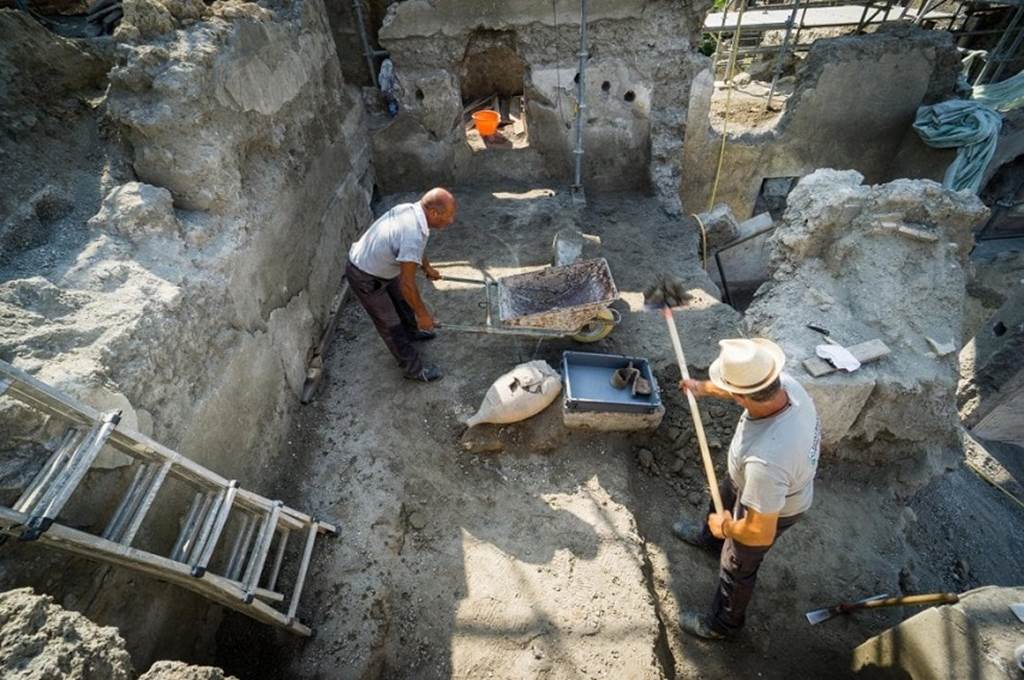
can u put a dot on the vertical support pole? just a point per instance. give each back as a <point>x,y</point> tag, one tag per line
<point>1007,56</point>
<point>580,99</point>
<point>782,53</point>
<point>357,6</point>
<point>998,49</point>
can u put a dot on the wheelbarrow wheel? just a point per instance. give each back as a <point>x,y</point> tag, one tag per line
<point>596,329</point>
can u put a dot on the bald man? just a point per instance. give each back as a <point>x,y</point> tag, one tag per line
<point>381,272</point>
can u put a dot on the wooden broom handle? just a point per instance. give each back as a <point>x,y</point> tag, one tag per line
<point>698,425</point>
<point>933,598</point>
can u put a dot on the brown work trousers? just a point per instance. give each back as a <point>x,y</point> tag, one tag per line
<point>391,315</point>
<point>737,566</point>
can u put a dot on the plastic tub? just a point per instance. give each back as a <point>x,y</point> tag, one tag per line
<point>486,122</point>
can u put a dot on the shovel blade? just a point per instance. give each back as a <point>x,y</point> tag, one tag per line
<point>819,615</point>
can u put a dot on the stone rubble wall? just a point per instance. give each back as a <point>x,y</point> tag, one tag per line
<point>886,261</point>
<point>638,79</point>
<point>853,106</point>
<point>202,278</point>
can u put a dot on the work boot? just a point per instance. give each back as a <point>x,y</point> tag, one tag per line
<point>426,374</point>
<point>422,336</point>
<point>697,625</point>
<point>693,534</point>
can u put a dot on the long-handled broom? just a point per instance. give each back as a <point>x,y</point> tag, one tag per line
<point>666,294</point>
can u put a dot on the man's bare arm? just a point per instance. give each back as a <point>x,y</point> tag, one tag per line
<point>429,271</point>
<point>704,388</point>
<point>755,529</point>
<point>411,293</point>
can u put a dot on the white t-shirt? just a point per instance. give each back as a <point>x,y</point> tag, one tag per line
<point>399,235</point>
<point>773,460</point>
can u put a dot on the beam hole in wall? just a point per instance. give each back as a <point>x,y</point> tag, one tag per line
<point>630,96</point>
<point>419,94</point>
<point>606,86</point>
<point>491,77</point>
<point>773,196</point>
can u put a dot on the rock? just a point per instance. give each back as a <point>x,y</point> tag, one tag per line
<point>185,10</point>
<point>673,433</point>
<point>482,439</point>
<point>40,639</point>
<point>677,466</point>
<point>143,19</point>
<point>178,670</point>
<point>695,498</point>
<point>136,210</point>
<point>864,247</point>
<point>941,348</point>
<point>714,442</point>
<point>645,458</point>
<point>417,521</point>
<point>717,411</point>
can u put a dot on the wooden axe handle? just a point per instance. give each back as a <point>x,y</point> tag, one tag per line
<point>933,598</point>
<point>698,425</point>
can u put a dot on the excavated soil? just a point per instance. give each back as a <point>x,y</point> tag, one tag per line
<point>554,558</point>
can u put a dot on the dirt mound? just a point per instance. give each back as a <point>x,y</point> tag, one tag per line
<point>176,670</point>
<point>40,640</point>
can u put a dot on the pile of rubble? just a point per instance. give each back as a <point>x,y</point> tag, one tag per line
<point>884,262</point>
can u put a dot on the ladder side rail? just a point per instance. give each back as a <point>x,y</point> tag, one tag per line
<point>50,469</point>
<point>214,587</point>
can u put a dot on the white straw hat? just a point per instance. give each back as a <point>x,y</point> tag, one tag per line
<point>746,366</point>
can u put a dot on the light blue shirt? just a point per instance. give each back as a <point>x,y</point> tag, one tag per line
<point>399,235</point>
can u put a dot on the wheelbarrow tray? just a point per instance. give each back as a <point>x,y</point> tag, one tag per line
<point>557,298</point>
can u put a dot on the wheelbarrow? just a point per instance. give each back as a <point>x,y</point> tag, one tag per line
<point>569,301</point>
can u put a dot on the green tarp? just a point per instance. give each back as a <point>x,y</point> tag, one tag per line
<point>967,126</point>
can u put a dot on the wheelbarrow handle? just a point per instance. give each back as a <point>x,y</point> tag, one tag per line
<point>459,279</point>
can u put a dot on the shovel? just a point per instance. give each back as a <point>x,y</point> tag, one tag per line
<point>876,601</point>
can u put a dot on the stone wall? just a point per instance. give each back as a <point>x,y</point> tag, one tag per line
<point>201,281</point>
<point>637,89</point>
<point>853,106</point>
<point>865,262</point>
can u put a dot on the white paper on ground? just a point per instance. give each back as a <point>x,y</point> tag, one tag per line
<point>1018,609</point>
<point>840,357</point>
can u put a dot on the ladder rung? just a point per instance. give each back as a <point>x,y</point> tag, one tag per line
<point>146,503</point>
<point>188,526</point>
<point>128,502</point>
<point>209,541</point>
<point>60,490</point>
<point>300,579</point>
<point>72,438</point>
<point>260,551</point>
<point>282,543</point>
<point>240,547</point>
<point>195,547</point>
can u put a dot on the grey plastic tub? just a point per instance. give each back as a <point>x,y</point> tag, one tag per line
<point>588,387</point>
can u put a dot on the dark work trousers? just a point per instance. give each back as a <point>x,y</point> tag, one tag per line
<point>737,566</point>
<point>391,314</point>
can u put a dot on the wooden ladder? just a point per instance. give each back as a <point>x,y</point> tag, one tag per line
<point>244,581</point>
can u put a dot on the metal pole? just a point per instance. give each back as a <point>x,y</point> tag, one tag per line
<point>1008,55</point>
<point>997,50</point>
<point>357,6</point>
<point>580,92</point>
<point>782,53</point>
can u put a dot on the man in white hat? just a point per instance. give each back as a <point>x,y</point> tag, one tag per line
<point>772,460</point>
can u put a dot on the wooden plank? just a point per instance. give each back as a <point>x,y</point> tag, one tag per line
<point>865,353</point>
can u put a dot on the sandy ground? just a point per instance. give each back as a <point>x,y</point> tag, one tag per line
<point>554,559</point>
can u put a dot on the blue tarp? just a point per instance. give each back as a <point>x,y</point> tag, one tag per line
<point>967,126</point>
<point>1004,96</point>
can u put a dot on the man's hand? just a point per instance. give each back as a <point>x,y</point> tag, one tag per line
<point>696,387</point>
<point>425,321</point>
<point>717,522</point>
<point>431,273</point>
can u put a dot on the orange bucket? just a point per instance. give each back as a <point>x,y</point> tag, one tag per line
<point>486,122</point>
